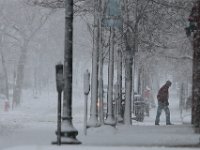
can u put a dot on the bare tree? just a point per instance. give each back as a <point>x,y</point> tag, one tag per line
<point>80,6</point>
<point>23,26</point>
<point>5,74</point>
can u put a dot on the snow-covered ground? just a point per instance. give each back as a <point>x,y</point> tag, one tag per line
<point>32,127</point>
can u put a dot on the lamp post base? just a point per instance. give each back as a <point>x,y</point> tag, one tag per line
<point>119,119</point>
<point>68,133</point>
<point>110,121</point>
<point>67,140</point>
<point>93,122</point>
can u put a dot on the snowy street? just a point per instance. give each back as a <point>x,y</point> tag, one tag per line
<point>33,126</point>
<point>127,70</point>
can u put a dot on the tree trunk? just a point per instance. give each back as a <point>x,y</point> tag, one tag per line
<point>6,91</point>
<point>6,88</point>
<point>128,68</point>
<point>17,91</point>
<point>119,86</point>
<point>93,121</point>
<point>110,116</point>
<point>101,62</point>
<point>128,87</point>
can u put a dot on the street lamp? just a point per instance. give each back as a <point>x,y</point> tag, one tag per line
<point>68,131</point>
<point>194,27</point>
<point>112,20</point>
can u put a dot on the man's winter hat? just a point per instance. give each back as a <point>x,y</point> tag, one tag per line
<point>169,83</point>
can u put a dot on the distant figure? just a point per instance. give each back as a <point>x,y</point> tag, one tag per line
<point>6,106</point>
<point>188,102</point>
<point>163,103</point>
<point>146,96</point>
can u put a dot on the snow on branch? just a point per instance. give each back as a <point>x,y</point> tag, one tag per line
<point>80,6</point>
<point>173,4</point>
<point>48,3</point>
<point>181,57</point>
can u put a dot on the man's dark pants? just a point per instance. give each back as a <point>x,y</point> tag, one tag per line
<point>162,106</point>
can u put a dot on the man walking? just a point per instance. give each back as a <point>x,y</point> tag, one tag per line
<point>163,103</point>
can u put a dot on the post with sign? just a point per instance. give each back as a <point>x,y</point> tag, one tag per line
<point>86,92</point>
<point>112,16</point>
<point>112,21</point>
<point>59,86</point>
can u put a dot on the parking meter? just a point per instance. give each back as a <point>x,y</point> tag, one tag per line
<point>86,82</point>
<point>59,77</point>
<point>59,85</point>
<point>86,87</point>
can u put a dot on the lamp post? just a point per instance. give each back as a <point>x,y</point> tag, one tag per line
<point>112,20</point>
<point>195,15</point>
<point>68,131</point>
<point>194,27</point>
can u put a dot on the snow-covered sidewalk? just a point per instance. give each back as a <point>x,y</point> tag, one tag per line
<point>176,135</point>
<point>40,135</point>
<point>33,125</point>
<point>95,148</point>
